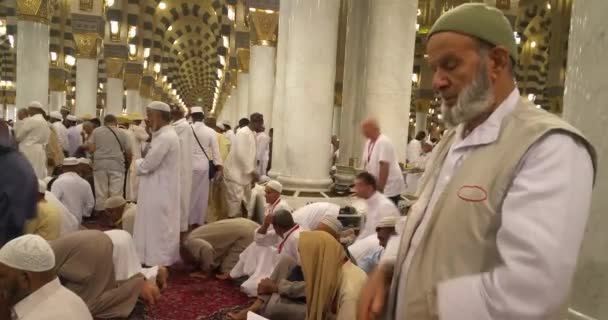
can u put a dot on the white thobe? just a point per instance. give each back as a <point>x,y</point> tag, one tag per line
<point>69,223</point>
<point>33,136</point>
<point>309,216</point>
<point>231,136</point>
<point>186,141</point>
<point>199,198</point>
<point>62,134</point>
<point>414,150</point>
<point>125,258</point>
<point>140,136</point>
<point>239,170</point>
<point>157,222</point>
<point>261,256</point>
<point>74,140</point>
<point>263,152</point>
<point>75,193</point>
<point>52,301</point>
<point>543,221</point>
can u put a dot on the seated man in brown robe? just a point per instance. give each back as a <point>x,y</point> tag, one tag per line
<point>83,261</point>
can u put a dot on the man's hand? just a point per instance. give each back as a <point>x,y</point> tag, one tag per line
<point>373,296</point>
<point>268,219</point>
<point>267,286</point>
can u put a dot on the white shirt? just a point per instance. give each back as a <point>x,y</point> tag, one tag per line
<point>543,221</point>
<point>34,130</point>
<point>62,134</point>
<point>414,150</point>
<point>186,145</point>
<point>309,216</point>
<point>75,193</point>
<point>382,150</point>
<point>378,207</point>
<point>240,164</point>
<point>51,302</point>
<point>74,139</point>
<point>287,246</point>
<point>208,139</point>
<point>69,223</point>
<point>263,143</point>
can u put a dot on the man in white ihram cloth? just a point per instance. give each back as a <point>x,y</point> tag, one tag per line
<point>157,222</point>
<point>184,132</point>
<point>34,292</point>
<point>33,135</point>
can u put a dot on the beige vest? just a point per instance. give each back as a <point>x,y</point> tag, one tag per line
<point>460,238</point>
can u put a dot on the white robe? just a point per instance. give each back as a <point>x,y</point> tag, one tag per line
<point>69,223</point>
<point>33,136</point>
<point>157,222</point>
<point>186,139</point>
<point>124,256</point>
<point>239,170</point>
<point>260,257</point>
<point>74,140</point>
<point>62,134</point>
<point>309,216</point>
<point>263,153</point>
<point>199,197</point>
<point>140,135</point>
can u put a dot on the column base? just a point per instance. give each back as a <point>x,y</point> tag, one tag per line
<point>345,177</point>
<point>303,184</point>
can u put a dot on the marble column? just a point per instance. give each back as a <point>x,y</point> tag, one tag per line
<point>309,94</point>
<point>243,96</point>
<point>335,126</point>
<point>114,95</point>
<point>32,55</point>
<point>133,101</point>
<point>11,112</point>
<point>262,63</point>
<point>278,102</point>
<point>420,122</point>
<point>56,100</point>
<point>86,87</point>
<point>389,67</point>
<point>585,107</point>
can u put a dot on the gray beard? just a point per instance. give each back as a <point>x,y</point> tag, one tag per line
<point>474,100</point>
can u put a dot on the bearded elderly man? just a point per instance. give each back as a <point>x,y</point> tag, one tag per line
<point>502,209</point>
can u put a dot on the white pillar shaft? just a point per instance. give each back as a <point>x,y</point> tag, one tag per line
<point>231,108</point>
<point>261,74</point>
<point>114,94</point>
<point>86,87</point>
<point>421,118</point>
<point>133,101</point>
<point>309,94</point>
<point>585,107</point>
<point>389,67</point>
<point>56,100</point>
<point>243,96</point>
<point>11,112</point>
<point>335,127</point>
<point>278,105</point>
<point>144,102</point>
<point>32,63</point>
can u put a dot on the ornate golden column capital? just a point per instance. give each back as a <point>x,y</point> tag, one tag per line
<point>115,68</point>
<point>265,25</point>
<point>57,78</point>
<point>423,105</point>
<point>133,75</point>
<point>87,45</point>
<point>146,87</point>
<point>242,55</point>
<point>34,10</point>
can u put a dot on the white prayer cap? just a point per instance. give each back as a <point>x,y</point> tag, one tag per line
<point>160,106</point>
<point>56,115</point>
<point>35,104</point>
<point>84,161</point>
<point>28,253</point>
<point>275,185</point>
<point>41,186</point>
<point>196,109</point>
<point>70,162</point>
<point>387,222</point>
<point>71,117</point>
<point>114,202</point>
<point>332,222</point>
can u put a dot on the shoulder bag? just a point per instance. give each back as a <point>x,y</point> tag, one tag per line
<point>212,166</point>
<point>127,163</point>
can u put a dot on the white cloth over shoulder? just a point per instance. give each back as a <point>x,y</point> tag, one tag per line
<point>186,140</point>
<point>309,216</point>
<point>124,256</point>
<point>69,223</point>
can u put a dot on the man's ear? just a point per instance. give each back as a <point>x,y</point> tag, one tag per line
<point>499,60</point>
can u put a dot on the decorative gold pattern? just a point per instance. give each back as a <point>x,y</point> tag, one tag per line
<point>34,10</point>
<point>57,84</point>
<point>423,105</point>
<point>87,45</point>
<point>86,5</point>
<point>264,28</point>
<point>132,81</point>
<point>115,68</point>
<point>8,97</point>
<point>145,90</point>
<point>243,57</point>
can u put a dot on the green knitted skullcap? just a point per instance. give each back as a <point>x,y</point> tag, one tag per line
<point>480,21</point>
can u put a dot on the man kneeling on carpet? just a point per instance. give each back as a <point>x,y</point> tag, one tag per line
<point>283,295</point>
<point>85,265</point>
<point>217,246</point>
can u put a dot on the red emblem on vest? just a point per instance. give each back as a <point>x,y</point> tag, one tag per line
<point>472,193</point>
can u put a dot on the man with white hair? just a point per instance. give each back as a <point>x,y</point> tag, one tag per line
<point>157,221</point>
<point>205,151</point>
<point>33,137</point>
<point>73,191</point>
<point>380,159</point>
<point>30,286</point>
<point>56,120</point>
<point>502,208</point>
<point>121,213</point>
<point>186,144</point>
